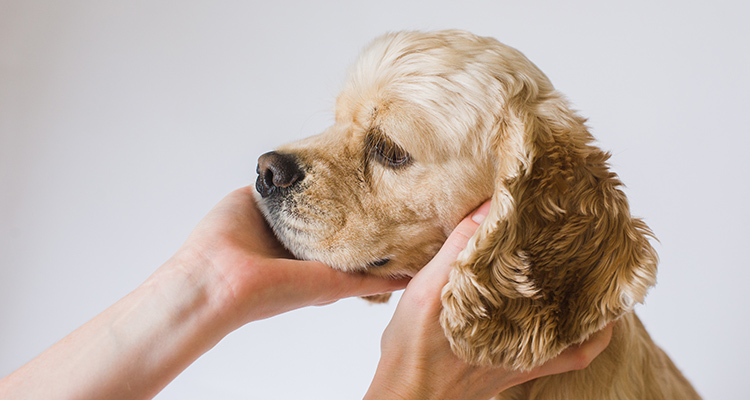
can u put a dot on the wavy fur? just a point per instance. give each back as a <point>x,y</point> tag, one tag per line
<point>559,255</point>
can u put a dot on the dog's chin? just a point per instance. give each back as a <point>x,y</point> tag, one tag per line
<point>305,242</point>
<point>301,244</point>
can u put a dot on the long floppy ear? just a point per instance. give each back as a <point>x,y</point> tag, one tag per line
<point>559,255</point>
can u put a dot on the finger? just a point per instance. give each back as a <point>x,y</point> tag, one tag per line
<point>439,267</point>
<point>578,356</point>
<point>322,284</point>
<point>582,355</point>
<point>351,285</point>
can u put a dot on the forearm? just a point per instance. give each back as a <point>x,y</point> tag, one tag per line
<point>132,349</point>
<point>229,272</point>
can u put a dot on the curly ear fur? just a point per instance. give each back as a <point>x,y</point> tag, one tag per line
<point>559,255</point>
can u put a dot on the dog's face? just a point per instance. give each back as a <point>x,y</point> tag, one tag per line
<point>407,158</point>
<point>428,126</point>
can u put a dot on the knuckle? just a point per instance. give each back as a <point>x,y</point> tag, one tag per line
<point>581,359</point>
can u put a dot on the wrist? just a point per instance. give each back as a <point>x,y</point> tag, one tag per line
<point>135,347</point>
<point>228,282</point>
<point>191,292</point>
<point>402,378</point>
<point>395,380</point>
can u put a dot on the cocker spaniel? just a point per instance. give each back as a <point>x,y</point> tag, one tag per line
<point>428,126</point>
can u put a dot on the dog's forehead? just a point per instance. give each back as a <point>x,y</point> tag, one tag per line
<point>430,93</point>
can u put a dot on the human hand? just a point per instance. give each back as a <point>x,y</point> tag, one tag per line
<point>248,273</point>
<point>416,360</point>
<point>230,271</point>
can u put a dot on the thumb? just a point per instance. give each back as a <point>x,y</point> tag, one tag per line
<point>456,242</point>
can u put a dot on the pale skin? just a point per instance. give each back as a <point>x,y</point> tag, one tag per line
<point>231,271</point>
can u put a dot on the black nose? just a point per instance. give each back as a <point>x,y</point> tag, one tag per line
<point>276,170</point>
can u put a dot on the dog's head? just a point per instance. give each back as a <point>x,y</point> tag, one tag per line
<point>428,126</point>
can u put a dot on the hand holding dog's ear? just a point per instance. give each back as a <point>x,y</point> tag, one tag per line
<point>559,255</point>
<point>260,278</point>
<point>416,358</point>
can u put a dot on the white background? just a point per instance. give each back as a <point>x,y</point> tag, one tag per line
<point>122,123</point>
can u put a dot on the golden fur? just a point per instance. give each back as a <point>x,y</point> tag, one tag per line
<point>429,125</point>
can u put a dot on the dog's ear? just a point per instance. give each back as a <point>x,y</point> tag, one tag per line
<point>558,256</point>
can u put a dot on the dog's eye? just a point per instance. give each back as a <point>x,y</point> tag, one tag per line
<point>391,154</point>
<point>386,152</point>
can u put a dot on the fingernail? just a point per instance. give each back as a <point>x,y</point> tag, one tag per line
<point>481,213</point>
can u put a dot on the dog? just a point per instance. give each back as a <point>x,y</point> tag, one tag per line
<point>428,126</point>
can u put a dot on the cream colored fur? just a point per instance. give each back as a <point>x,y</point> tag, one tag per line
<point>429,125</point>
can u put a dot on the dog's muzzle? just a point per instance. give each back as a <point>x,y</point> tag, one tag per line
<point>276,173</point>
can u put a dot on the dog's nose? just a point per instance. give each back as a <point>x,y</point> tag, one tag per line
<point>276,170</point>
